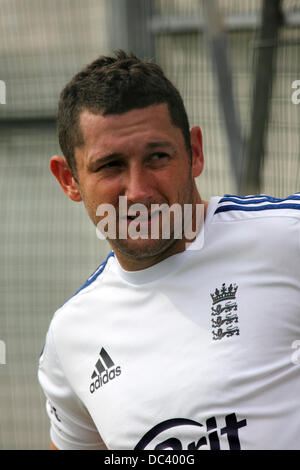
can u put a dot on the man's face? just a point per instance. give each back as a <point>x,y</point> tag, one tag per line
<point>141,155</point>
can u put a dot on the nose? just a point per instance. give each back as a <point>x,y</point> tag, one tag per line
<point>139,185</point>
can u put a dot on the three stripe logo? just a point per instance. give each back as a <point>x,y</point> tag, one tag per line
<point>106,359</point>
<point>104,371</point>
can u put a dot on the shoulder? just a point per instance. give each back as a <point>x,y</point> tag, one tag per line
<point>65,331</point>
<point>269,224</point>
<point>232,207</point>
<point>69,317</point>
<point>93,282</point>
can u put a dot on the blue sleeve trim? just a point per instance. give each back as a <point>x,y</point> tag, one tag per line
<point>254,200</point>
<point>93,277</point>
<point>236,207</point>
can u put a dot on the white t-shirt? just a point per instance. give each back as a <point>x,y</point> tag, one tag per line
<point>199,351</point>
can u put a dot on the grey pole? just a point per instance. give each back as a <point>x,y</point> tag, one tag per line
<point>140,36</point>
<point>131,27</point>
<point>265,71</point>
<point>217,46</point>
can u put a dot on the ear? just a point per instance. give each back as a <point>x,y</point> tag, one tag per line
<point>197,151</point>
<point>62,172</point>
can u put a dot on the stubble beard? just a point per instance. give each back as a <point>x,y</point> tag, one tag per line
<point>150,248</point>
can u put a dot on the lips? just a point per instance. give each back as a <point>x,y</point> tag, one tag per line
<point>143,216</point>
<point>140,216</point>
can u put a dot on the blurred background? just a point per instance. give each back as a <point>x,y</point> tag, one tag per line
<point>234,62</point>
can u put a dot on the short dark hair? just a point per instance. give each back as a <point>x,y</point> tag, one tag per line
<point>114,85</point>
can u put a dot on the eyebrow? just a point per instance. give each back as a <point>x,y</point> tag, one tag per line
<point>161,143</point>
<point>104,160</point>
<point>149,146</point>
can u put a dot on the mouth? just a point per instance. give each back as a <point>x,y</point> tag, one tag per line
<point>141,218</point>
<point>141,223</point>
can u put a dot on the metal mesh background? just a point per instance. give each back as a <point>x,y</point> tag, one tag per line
<point>48,245</point>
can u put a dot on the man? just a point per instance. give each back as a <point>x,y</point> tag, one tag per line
<point>174,342</point>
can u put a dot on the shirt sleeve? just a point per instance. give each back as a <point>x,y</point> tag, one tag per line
<point>71,426</point>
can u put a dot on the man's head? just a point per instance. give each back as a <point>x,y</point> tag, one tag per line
<point>124,132</point>
<point>114,85</point>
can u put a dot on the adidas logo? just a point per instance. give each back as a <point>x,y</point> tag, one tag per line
<point>104,371</point>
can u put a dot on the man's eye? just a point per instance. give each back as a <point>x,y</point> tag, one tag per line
<point>158,156</point>
<point>114,164</point>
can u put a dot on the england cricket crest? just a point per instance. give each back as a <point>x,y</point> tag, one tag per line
<point>224,318</point>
